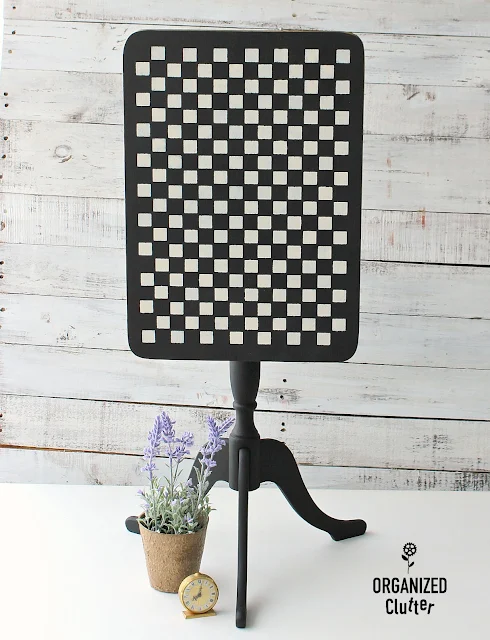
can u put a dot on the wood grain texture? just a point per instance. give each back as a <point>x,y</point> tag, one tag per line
<point>390,109</point>
<point>411,16</point>
<point>46,467</point>
<point>422,110</point>
<point>63,96</point>
<point>390,59</point>
<point>409,411</point>
<point>430,237</point>
<point>341,388</point>
<point>323,439</point>
<point>386,287</point>
<point>400,173</point>
<point>62,220</point>
<point>403,236</point>
<point>86,323</point>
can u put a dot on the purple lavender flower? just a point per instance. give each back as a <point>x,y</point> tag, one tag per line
<point>216,431</point>
<point>165,427</point>
<point>151,466</point>
<point>162,429</point>
<point>181,450</point>
<point>174,508</point>
<point>215,442</point>
<point>178,453</point>
<point>211,447</point>
<point>187,439</point>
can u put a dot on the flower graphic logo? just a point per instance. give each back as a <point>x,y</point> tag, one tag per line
<point>409,550</point>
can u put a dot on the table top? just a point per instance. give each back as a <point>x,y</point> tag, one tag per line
<point>69,568</point>
<point>243,155</point>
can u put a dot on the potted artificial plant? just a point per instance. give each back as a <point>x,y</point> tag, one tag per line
<point>174,522</point>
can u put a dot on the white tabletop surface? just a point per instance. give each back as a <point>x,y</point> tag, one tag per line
<point>70,570</point>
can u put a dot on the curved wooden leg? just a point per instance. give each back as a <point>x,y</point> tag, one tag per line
<point>278,465</point>
<point>132,524</point>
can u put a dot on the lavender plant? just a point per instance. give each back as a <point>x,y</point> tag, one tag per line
<point>172,506</point>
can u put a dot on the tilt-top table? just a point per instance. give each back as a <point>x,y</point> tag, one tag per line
<point>243,156</point>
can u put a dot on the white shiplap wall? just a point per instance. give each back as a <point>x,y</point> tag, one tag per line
<point>411,410</point>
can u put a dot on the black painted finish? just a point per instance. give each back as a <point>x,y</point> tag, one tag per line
<point>243,158</point>
<point>243,489</point>
<point>243,194</point>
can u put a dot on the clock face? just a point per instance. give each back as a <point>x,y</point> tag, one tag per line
<point>200,595</point>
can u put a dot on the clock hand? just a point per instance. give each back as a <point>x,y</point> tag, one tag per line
<point>198,595</point>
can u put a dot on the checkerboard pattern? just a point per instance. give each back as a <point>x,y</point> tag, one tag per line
<point>243,194</point>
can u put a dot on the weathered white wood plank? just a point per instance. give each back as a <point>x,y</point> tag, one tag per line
<point>442,174</point>
<point>400,173</point>
<point>73,159</point>
<point>62,220</point>
<point>63,96</point>
<point>403,236</point>
<point>412,16</point>
<point>404,289</point>
<point>437,111</point>
<point>49,467</point>
<point>383,339</point>
<point>78,271</point>
<point>390,59</point>
<point>396,109</point>
<point>343,388</point>
<point>420,236</point>
<point>432,290</point>
<point>334,440</point>
<point>393,479</point>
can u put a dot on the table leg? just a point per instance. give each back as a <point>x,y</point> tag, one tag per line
<point>278,465</point>
<point>243,488</point>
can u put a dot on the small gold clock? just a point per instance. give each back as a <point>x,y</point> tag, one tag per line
<point>198,594</point>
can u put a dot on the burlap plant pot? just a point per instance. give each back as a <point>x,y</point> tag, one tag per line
<point>172,557</point>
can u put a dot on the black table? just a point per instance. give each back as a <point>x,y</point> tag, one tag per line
<point>243,158</point>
